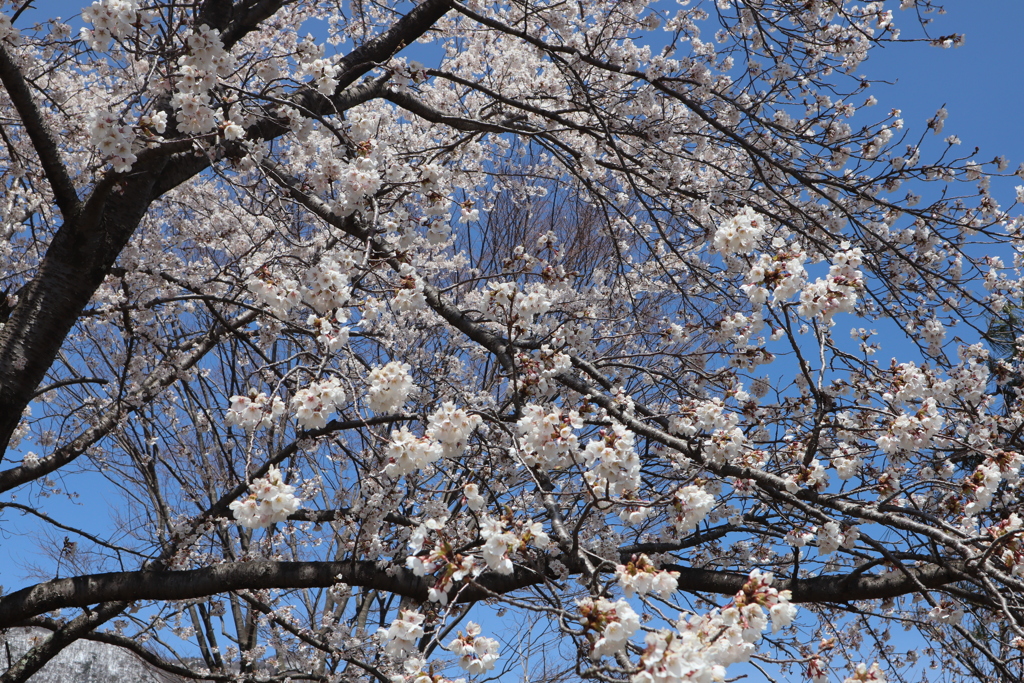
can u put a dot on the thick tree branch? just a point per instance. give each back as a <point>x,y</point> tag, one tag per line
<point>831,588</point>
<point>83,591</point>
<point>464,123</point>
<point>34,660</point>
<point>42,137</point>
<point>403,32</point>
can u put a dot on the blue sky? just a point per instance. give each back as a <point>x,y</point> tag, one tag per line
<point>981,83</point>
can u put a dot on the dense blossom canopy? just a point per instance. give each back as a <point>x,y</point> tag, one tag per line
<point>613,339</point>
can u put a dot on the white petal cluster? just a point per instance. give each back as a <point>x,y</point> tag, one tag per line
<point>400,638</point>
<point>703,646</point>
<point>782,273</point>
<point>798,538</point>
<point>516,307</point>
<point>914,431</point>
<point>614,623</point>
<point>1012,552</point>
<point>838,292</point>
<point>270,501</point>
<point>862,673</point>
<point>409,296</point>
<point>548,439</point>
<point>324,73</point>
<point>390,386</point>
<point>474,500</point>
<point>205,62</point>
<point>327,286</point>
<point>831,537</point>
<point>112,19</point>
<point>846,460</point>
<point>497,542</point>
<point>946,613</point>
<point>677,657</point>
<point>702,416</point>
<point>740,234</point>
<point>330,333</point>
<point>409,453</point>
<point>476,653</point>
<point>279,295</point>
<point>8,33</point>
<point>253,411</point>
<point>690,505</point>
<point>933,332</point>
<point>113,140</point>
<point>538,369</point>
<point>814,477</point>
<point>640,575</point>
<point>986,478</point>
<point>315,403</point>
<point>451,427</point>
<point>725,445</point>
<point>614,463</point>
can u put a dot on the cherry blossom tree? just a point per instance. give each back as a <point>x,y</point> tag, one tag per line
<point>403,326</point>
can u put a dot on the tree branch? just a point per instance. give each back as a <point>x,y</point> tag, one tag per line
<point>116,411</point>
<point>34,660</point>
<point>82,591</point>
<point>42,137</point>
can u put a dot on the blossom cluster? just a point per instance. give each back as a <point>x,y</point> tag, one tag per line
<point>270,501</point>
<point>113,139</point>
<point>703,646</point>
<point>113,19</point>
<point>831,536</point>
<point>447,435</point>
<point>409,297</point>
<point>639,575</point>
<point>609,625</point>
<point>499,541</point>
<point>782,273</point>
<point>913,431</point>
<point>690,505</point>
<point>401,636</point>
<point>741,233</point>
<point>451,427</point>
<point>1009,531</point>
<point>408,453</point>
<point>205,62</point>
<point>613,461</point>
<point>280,295</point>
<point>838,292</point>
<point>537,371</point>
<point>519,308</point>
<point>501,537</point>
<point>983,483</point>
<point>476,653</point>
<point>253,411</point>
<point>548,439</point>
<point>390,386</point>
<point>313,404</point>
<point>8,33</point>
<point>326,285</point>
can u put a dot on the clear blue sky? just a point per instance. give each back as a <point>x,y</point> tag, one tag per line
<point>981,83</point>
